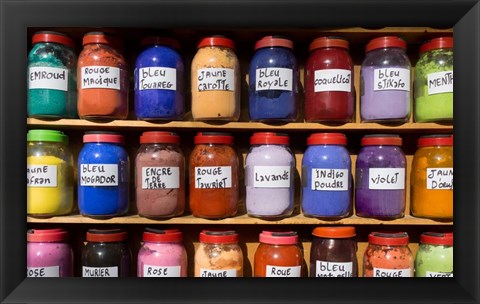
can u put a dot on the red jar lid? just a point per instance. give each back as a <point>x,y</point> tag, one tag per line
<point>106,235</point>
<point>47,235</point>
<point>216,41</point>
<point>388,238</point>
<point>435,238</point>
<point>437,43</point>
<point>381,139</point>
<point>273,41</point>
<point>49,36</point>
<point>339,232</point>
<point>218,237</point>
<point>324,42</point>
<point>279,238</point>
<point>327,139</point>
<point>162,236</point>
<point>157,40</point>
<point>435,140</point>
<point>159,137</point>
<point>269,138</point>
<point>100,37</point>
<point>386,42</point>
<point>106,137</point>
<point>213,138</point>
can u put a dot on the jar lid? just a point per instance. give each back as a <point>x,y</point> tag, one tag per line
<point>213,138</point>
<point>279,237</point>
<point>106,235</point>
<point>386,42</point>
<point>100,136</point>
<point>158,40</point>
<point>47,235</point>
<point>218,236</point>
<point>338,232</point>
<point>436,238</point>
<point>50,36</point>
<point>100,37</point>
<point>437,43</point>
<point>435,140</point>
<point>47,135</point>
<point>269,138</point>
<point>217,40</point>
<point>381,139</point>
<point>162,236</point>
<point>327,139</point>
<point>274,41</point>
<point>324,42</point>
<point>388,238</point>
<point>159,137</point>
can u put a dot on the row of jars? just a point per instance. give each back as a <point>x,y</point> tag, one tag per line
<point>99,80</point>
<point>213,170</point>
<point>333,253</point>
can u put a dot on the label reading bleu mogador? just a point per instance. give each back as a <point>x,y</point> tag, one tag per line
<point>99,175</point>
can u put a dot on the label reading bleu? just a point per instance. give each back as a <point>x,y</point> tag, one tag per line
<point>333,80</point>
<point>391,79</point>
<point>157,78</point>
<point>215,79</point>
<point>440,82</point>
<point>386,178</point>
<point>100,77</point>
<point>100,272</point>
<point>158,271</point>
<point>394,273</point>
<point>279,271</point>
<point>213,177</point>
<point>160,178</point>
<point>432,274</point>
<point>273,79</point>
<point>333,269</point>
<point>271,176</point>
<point>225,273</point>
<point>440,178</point>
<point>99,175</point>
<point>48,78</point>
<point>42,176</point>
<point>43,272</point>
<point>330,179</point>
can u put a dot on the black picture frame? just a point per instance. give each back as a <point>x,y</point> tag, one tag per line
<point>17,16</point>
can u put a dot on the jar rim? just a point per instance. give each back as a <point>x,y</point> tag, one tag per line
<point>213,138</point>
<point>388,238</point>
<point>47,135</point>
<point>435,140</point>
<point>47,235</point>
<point>159,137</point>
<point>274,41</point>
<point>437,238</point>
<point>340,232</point>
<point>381,139</point>
<point>437,43</point>
<point>327,139</point>
<point>106,235</point>
<point>161,40</point>
<point>328,41</point>
<point>218,237</point>
<point>269,138</point>
<point>103,137</point>
<point>162,236</point>
<point>278,237</point>
<point>52,36</point>
<point>216,40</point>
<point>385,42</point>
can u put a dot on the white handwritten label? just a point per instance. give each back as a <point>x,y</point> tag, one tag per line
<point>48,78</point>
<point>216,79</point>
<point>100,77</point>
<point>100,272</point>
<point>43,272</point>
<point>213,177</point>
<point>330,179</point>
<point>391,79</point>
<point>333,269</point>
<point>157,78</point>
<point>286,272</point>
<point>432,274</point>
<point>386,178</point>
<point>160,178</point>
<point>439,178</point>
<point>158,271</point>
<point>271,176</point>
<point>225,273</point>
<point>99,175</point>
<point>440,82</point>
<point>394,273</point>
<point>333,80</point>
<point>273,79</point>
<point>42,176</point>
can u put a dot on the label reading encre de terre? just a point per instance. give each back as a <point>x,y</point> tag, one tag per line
<point>154,178</point>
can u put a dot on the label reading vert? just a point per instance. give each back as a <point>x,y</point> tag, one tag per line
<point>333,80</point>
<point>213,177</point>
<point>159,271</point>
<point>386,178</point>
<point>157,78</point>
<point>393,273</point>
<point>391,79</point>
<point>100,77</point>
<point>215,79</point>
<point>329,179</point>
<point>440,82</point>
<point>271,176</point>
<point>99,175</point>
<point>286,272</point>
<point>273,79</point>
<point>333,269</point>
<point>154,178</point>
<point>433,274</point>
<point>224,273</point>
<point>48,78</point>
<point>100,272</point>
<point>42,176</point>
<point>43,272</point>
<point>440,178</point>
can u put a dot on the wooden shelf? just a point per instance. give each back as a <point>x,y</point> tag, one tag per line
<point>238,220</point>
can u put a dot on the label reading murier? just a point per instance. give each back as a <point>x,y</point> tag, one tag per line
<point>386,178</point>
<point>100,272</point>
<point>224,273</point>
<point>157,78</point>
<point>43,272</point>
<point>154,178</point>
<point>215,79</point>
<point>273,79</point>
<point>213,177</point>
<point>393,273</point>
<point>329,179</point>
<point>48,78</point>
<point>391,79</point>
<point>163,272</point>
<point>42,176</point>
<point>271,176</point>
<point>99,175</point>
<point>433,274</point>
<point>333,269</point>
<point>440,178</point>
<point>440,82</point>
<point>279,271</point>
<point>332,80</point>
<point>100,77</point>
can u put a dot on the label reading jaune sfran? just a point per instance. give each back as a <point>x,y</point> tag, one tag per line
<point>42,176</point>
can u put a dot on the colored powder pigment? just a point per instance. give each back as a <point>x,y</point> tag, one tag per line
<point>435,255</point>
<point>162,260</point>
<point>394,258</point>
<point>224,261</point>
<point>49,256</point>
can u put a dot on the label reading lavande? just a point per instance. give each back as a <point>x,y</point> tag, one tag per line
<point>48,78</point>
<point>158,271</point>
<point>42,176</point>
<point>213,177</point>
<point>160,178</point>
<point>279,271</point>
<point>333,269</point>
<point>43,272</point>
<point>99,175</point>
<point>329,179</point>
<point>215,79</point>
<point>224,273</point>
<point>273,79</point>
<point>439,178</point>
<point>271,176</point>
<point>157,78</point>
<point>100,77</point>
<point>100,272</point>
<point>386,178</point>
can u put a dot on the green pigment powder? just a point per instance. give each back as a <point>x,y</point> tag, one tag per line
<point>434,261</point>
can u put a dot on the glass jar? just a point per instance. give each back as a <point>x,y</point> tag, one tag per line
<point>278,255</point>
<point>273,80</point>
<point>104,175</point>
<point>329,84</point>
<point>160,175</point>
<point>103,78</point>
<point>431,180</point>
<point>435,255</point>
<point>380,177</point>
<point>162,254</point>
<point>327,174</point>
<point>215,80</point>
<point>333,252</point>
<point>52,76</point>
<point>48,253</point>
<point>269,176</point>
<point>106,254</point>
<point>213,176</point>
<point>50,174</point>
<point>385,81</point>
<point>388,255</point>
<point>159,73</point>
<point>218,255</point>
